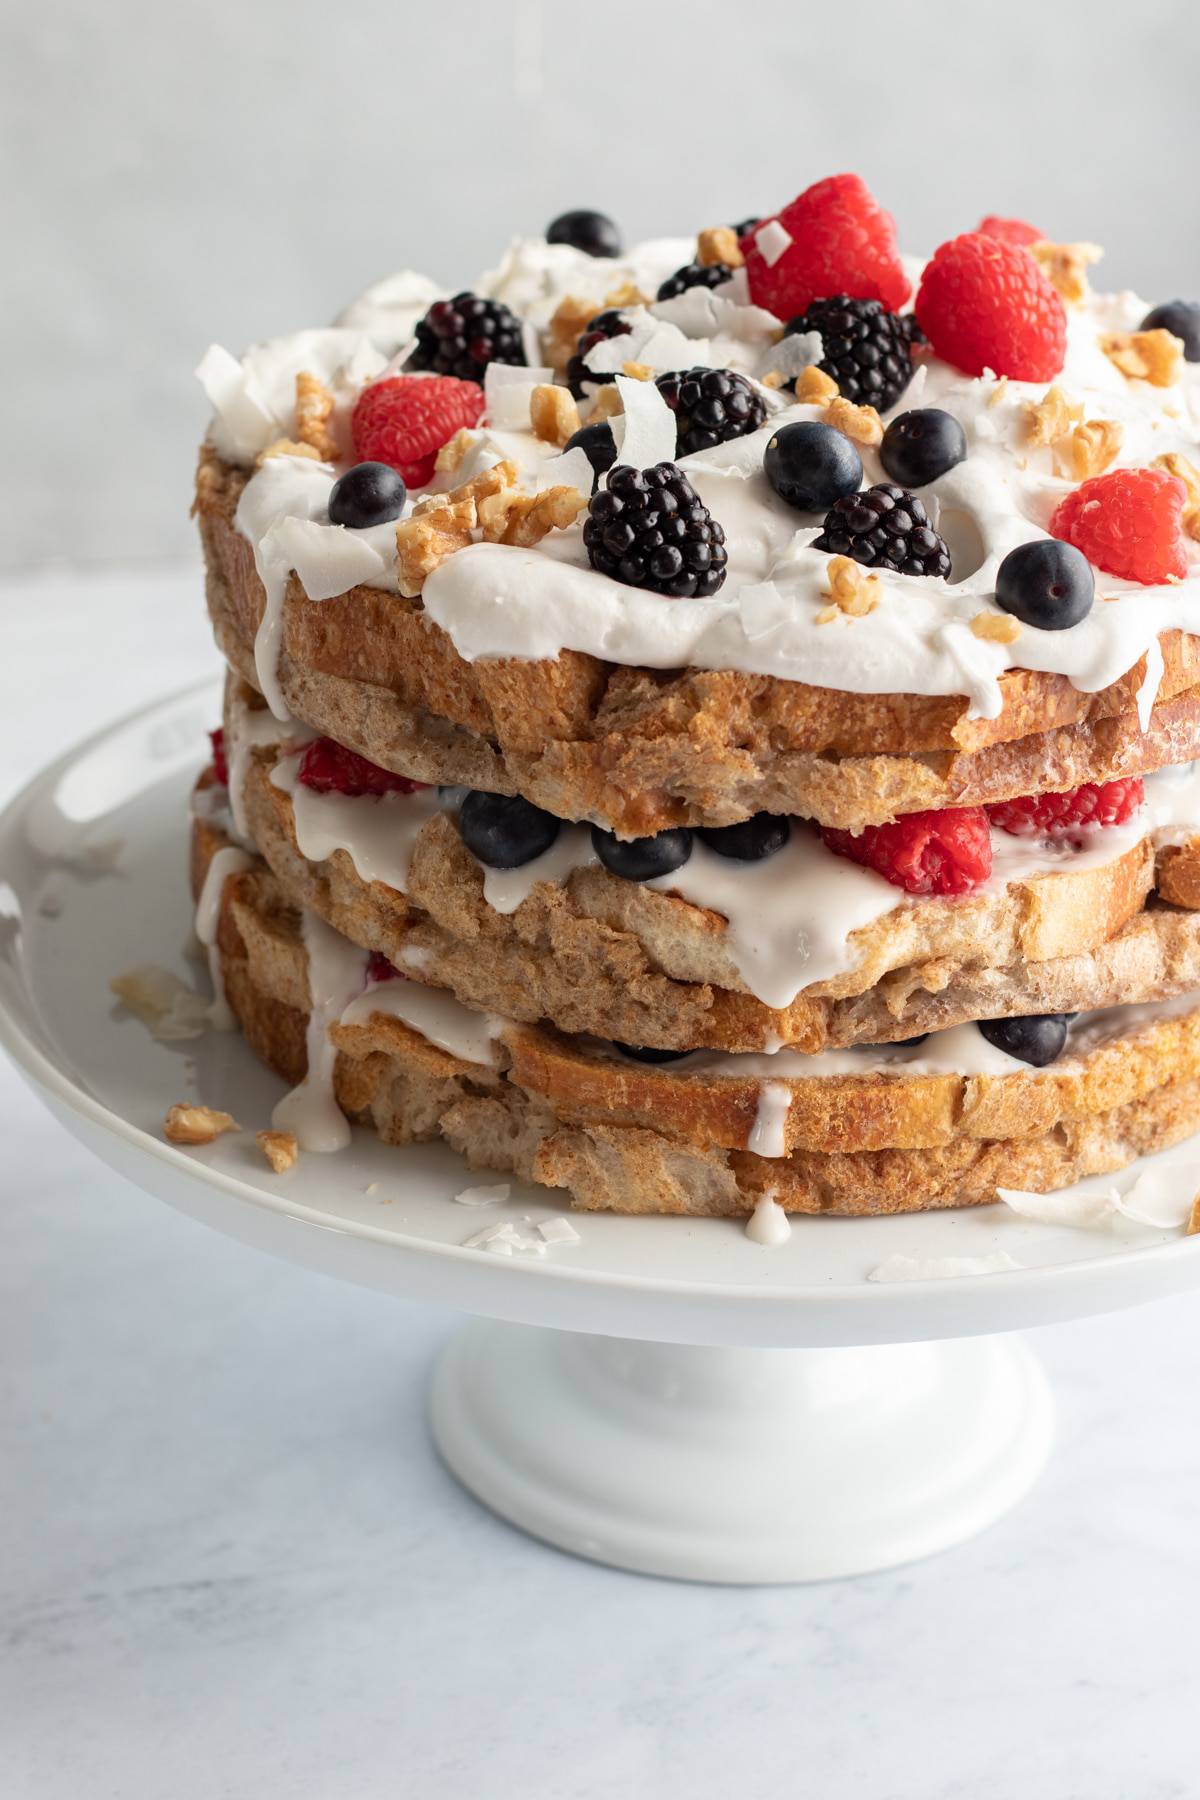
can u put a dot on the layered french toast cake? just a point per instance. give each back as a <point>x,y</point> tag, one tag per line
<point>717,720</point>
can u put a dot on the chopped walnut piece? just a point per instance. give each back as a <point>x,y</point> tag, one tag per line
<point>1087,449</point>
<point>628,294</point>
<point>1186,471</point>
<point>280,1149</point>
<point>773,379</point>
<point>851,589</point>
<point>524,519</point>
<point>996,627</point>
<point>314,409</point>
<point>719,244</point>
<point>450,456</point>
<point>607,405</point>
<point>862,423</point>
<point>444,523</point>
<point>637,371</point>
<point>563,332</point>
<point>1193,1222</point>
<point>553,414</point>
<point>1050,417</point>
<point>287,447</point>
<point>1152,356</point>
<point>185,1124</point>
<point>1065,267</point>
<point>814,387</point>
<point>998,392</point>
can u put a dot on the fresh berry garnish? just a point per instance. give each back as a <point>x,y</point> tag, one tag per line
<point>1010,231</point>
<point>649,528</point>
<point>924,852</point>
<point>463,335</point>
<point>380,969</point>
<point>920,445</point>
<point>592,232</point>
<point>693,275</point>
<point>1059,815</point>
<point>753,840</point>
<point>1046,583</point>
<point>598,445</point>
<point>372,493</point>
<point>812,466</point>
<point>1182,319</point>
<point>885,528</point>
<point>1129,523</point>
<point>711,406</point>
<point>867,350</point>
<point>1038,1039</point>
<point>842,243</point>
<point>220,764</point>
<point>405,420</point>
<point>648,1054</point>
<point>985,304</point>
<point>503,830</point>
<point>610,323</point>
<point>329,768</point>
<point>645,858</point>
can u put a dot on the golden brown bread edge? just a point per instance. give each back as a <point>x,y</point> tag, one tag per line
<point>641,750</point>
<point>542,1119</point>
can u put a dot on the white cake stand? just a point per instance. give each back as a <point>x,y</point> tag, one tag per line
<point>663,1395</point>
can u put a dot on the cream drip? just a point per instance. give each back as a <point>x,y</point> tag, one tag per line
<point>377,831</point>
<point>768,1223</point>
<point>225,862</point>
<point>435,1014</point>
<point>336,970</point>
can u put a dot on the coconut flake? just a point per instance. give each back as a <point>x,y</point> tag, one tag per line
<point>645,433</point>
<point>771,240</point>
<point>508,391</point>
<point>791,355</point>
<point>558,1231</point>
<point>1083,1208</point>
<point>572,469</point>
<point>1160,1197</point>
<point>329,559</point>
<point>484,1196</point>
<point>941,1268</point>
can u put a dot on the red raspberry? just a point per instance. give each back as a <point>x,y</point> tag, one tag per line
<point>405,420</point>
<point>842,243</point>
<point>220,765</point>
<point>1129,523</point>
<point>330,768</point>
<point>1010,231</point>
<point>923,852</point>
<point>1058,815</point>
<point>380,969</point>
<point>985,304</point>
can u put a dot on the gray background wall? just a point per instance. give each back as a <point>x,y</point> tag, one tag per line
<point>181,174</point>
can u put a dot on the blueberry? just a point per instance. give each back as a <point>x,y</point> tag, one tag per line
<point>1182,318</point>
<point>368,494</point>
<point>599,446</point>
<point>648,1054</point>
<point>920,445</point>
<point>811,465</point>
<point>641,859</point>
<point>752,840</point>
<point>590,232</point>
<point>504,831</point>
<point>1038,1038</point>
<point>1047,584</point>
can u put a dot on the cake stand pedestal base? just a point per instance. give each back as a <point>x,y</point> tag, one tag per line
<point>741,1465</point>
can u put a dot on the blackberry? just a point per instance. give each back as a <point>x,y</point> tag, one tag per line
<point>694,275</point>
<point>463,335</point>
<point>884,527</point>
<point>744,227</point>
<point>607,324</point>
<point>866,349</point>
<point>649,528</point>
<point>710,406</point>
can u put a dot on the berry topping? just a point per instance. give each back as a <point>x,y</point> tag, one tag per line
<point>867,350</point>
<point>330,768</point>
<point>1129,523</point>
<point>1039,1038</point>
<point>812,466</point>
<point>649,528</point>
<point>648,1054</point>
<point>220,765</point>
<point>842,242</point>
<point>380,969</point>
<point>985,304</point>
<point>405,420</point>
<point>920,445</point>
<point>1182,319</point>
<point>608,324</point>
<point>710,406</point>
<point>924,852</point>
<point>1047,584</point>
<point>1010,231</point>
<point>1059,815</point>
<point>592,232</point>
<point>598,445</point>
<point>885,528</point>
<point>753,840</point>
<point>642,859</point>
<point>706,275</point>
<point>463,335</point>
<point>504,831</point>
<point>372,493</point>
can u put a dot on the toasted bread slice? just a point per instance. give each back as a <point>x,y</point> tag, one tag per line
<point>641,750</point>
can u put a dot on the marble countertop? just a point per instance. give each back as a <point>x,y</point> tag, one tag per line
<point>233,1567</point>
